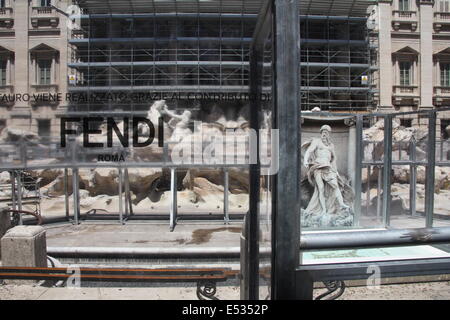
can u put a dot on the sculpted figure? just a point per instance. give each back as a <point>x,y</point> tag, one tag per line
<point>332,196</point>
<point>179,123</point>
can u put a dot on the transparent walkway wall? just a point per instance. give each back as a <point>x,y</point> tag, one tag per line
<point>367,164</point>
<point>391,172</point>
<point>390,168</point>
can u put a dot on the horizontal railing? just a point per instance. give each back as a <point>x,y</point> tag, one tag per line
<point>404,15</point>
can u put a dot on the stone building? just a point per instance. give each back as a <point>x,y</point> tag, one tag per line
<point>406,48</point>
<point>33,61</point>
<point>413,55</point>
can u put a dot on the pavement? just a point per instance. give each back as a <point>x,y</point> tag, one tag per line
<point>145,235</point>
<point>34,292</point>
<point>414,291</point>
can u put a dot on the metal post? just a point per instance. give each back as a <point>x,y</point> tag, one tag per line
<point>379,202</point>
<point>387,169</point>
<point>260,37</point>
<point>19,194</point>
<point>12,175</point>
<point>120,195</point>
<point>369,173</point>
<point>358,166</point>
<point>226,213</point>
<point>127,214</point>
<point>66,191</point>
<point>128,194</point>
<point>173,199</point>
<point>412,177</point>
<point>76,195</point>
<point>430,172</point>
<point>286,208</point>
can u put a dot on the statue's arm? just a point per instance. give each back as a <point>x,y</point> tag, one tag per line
<point>310,149</point>
<point>172,114</point>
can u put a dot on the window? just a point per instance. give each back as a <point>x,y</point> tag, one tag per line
<point>44,74</point>
<point>405,73</point>
<point>46,3</point>
<point>2,3</point>
<point>44,129</point>
<point>403,5</point>
<point>407,123</point>
<point>444,6</point>
<point>445,74</point>
<point>3,73</point>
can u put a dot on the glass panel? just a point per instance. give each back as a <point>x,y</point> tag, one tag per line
<point>329,164</point>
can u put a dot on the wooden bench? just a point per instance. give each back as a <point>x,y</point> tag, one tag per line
<point>206,279</point>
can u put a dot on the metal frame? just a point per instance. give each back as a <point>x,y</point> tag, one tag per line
<point>286,31</point>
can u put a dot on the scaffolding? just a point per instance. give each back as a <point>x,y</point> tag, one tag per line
<point>156,50</point>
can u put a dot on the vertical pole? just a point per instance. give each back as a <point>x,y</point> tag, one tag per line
<point>120,195</point>
<point>413,177</point>
<point>286,208</point>
<point>19,194</point>
<point>13,189</point>
<point>369,173</point>
<point>387,168</point>
<point>127,190</point>
<point>379,201</point>
<point>252,219</point>
<point>76,195</point>
<point>126,194</point>
<point>430,173</point>
<point>226,213</point>
<point>358,166</point>
<point>66,191</point>
<point>173,199</point>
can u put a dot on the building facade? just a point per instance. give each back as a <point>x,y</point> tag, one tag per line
<point>33,64</point>
<point>144,46</point>
<point>413,55</point>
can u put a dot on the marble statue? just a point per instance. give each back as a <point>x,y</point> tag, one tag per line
<point>179,123</point>
<point>330,204</point>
